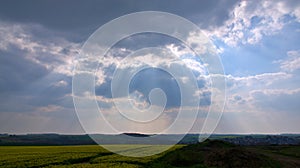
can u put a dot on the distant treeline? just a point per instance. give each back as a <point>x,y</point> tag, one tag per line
<point>130,138</point>
<point>45,139</point>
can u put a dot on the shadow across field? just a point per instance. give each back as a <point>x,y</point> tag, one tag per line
<point>71,161</point>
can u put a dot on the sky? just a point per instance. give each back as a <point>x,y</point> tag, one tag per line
<point>257,41</point>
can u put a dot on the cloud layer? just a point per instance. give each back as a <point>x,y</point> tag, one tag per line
<point>38,50</point>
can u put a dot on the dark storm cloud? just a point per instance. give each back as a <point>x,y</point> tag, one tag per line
<point>48,91</point>
<point>77,19</point>
<point>30,94</point>
<point>26,81</point>
<point>17,72</point>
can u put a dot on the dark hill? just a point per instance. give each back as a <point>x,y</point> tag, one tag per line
<point>136,134</point>
<point>214,153</point>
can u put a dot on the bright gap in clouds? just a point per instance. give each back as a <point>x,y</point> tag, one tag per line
<point>151,78</point>
<point>148,79</point>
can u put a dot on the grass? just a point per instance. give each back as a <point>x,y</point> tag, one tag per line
<point>206,154</point>
<point>43,156</point>
<point>69,156</point>
<point>287,156</point>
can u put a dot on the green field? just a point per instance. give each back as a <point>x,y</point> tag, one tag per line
<point>69,156</point>
<point>207,154</point>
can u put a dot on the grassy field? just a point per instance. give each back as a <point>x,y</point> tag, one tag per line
<point>207,154</point>
<point>69,156</point>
